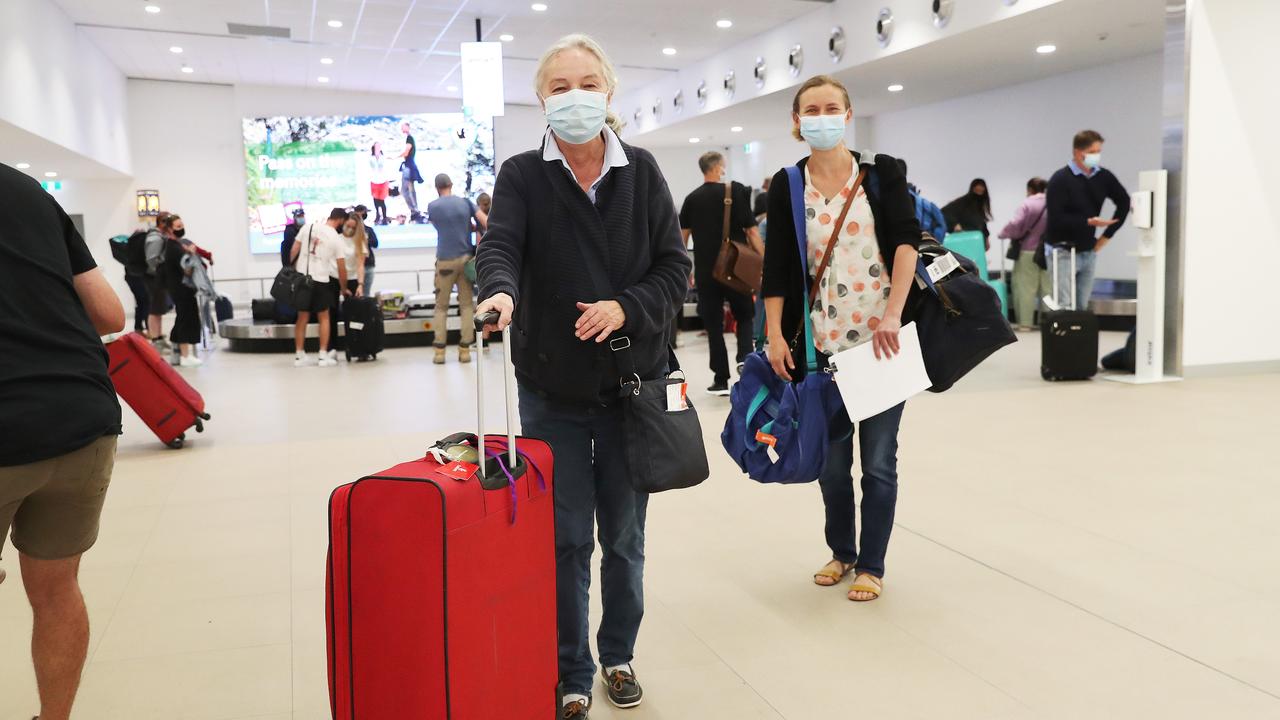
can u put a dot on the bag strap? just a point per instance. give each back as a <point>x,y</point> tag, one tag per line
<point>835,235</point>
<point>795,180</point>
<point>728,207</point>
<point>310,248</point>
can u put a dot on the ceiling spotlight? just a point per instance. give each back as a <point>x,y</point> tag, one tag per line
<point>153,9</point>
<point>322,79</point>
<point>175,50</point>
<point>895,88</point>
<point>538,7</point>
<point>51,174</point>
<point>187,69</point>
<point>23,166</point>
<point>326,61</point>
<point>736,128</point>
<point>506,37</point>
<point>724,24</point>
<point>335,24</point>
<point>694,141</point>
<point>668,51</point>
<point>1047,49</point>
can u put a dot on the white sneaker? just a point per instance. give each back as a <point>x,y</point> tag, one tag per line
<point>300,360</point>
<point>333,355</point>
<point>190,361</point>
<point>326,361</point>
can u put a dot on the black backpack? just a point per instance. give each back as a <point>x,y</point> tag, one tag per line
<point>136,251</point>
<point>120,249</point>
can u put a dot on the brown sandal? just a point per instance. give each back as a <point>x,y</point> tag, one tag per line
<point>866,583</point>
<point>834,572</point>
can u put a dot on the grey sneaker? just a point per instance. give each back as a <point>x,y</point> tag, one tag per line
<point>624,691</point>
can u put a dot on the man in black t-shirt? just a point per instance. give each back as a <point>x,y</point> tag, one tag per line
<point>59,419</point>
<point>702,216</point>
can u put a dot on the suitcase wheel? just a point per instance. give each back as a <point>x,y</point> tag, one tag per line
<point>204,416</point>
<point>199,425</point>
<point>176,443</point>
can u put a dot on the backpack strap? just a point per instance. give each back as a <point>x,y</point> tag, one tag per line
<point>867,158</point>
<point>795,181</point>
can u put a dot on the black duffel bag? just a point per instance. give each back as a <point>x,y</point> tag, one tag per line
<point>665,450</point>
<point>263,309</point>
<point>292,287</point>
<point>958,317</point>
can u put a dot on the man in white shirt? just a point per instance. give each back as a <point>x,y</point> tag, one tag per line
<point>324,248</point>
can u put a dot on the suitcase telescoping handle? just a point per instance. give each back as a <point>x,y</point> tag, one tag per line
<point>492,473</point>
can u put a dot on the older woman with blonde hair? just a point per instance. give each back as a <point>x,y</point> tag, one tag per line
<point>583,259</point>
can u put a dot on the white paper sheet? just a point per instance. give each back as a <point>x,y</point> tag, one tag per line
<point>870,386</point>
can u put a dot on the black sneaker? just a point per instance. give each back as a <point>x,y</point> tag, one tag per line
<point>624,691</point>
<point>720,389</point>
<point>575,710</point>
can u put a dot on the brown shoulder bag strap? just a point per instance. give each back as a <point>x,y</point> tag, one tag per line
<point>835,233</point>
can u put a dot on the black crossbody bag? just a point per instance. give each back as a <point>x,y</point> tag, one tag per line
<point>292,287</point>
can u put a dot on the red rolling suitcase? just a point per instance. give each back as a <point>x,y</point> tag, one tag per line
<point>441,585</point>
<point>157,393</point>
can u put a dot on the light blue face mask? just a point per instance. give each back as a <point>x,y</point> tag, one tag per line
<point>822,132</point>
<point>577,116</point>
<point>1093,160</point>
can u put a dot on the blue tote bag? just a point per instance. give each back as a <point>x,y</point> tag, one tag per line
<point>777,432</point>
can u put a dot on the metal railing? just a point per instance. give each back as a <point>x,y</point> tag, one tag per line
<point>264,283</point>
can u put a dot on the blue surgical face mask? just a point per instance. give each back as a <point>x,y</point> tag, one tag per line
<point>1093,160</point>
<point>577,116</point>
<point>822,132</point>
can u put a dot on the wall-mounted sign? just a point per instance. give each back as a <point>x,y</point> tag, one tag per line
<point>148,203</point>
<point>482,79</point>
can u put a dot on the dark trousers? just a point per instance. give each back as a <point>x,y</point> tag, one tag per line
<point>335,289</point>
<point>878,446</point>
<point>592,486</point>
<point>711,299</point>
<point>186,323</point>
<point>141,300</point>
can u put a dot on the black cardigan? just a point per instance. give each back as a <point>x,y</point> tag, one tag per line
<point>1073,199</point>
<point>549,248</point>
<point>896,225</point>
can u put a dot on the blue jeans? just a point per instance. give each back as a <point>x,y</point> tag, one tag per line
<point>592,485</point>
<point>878,443</point>
<point>1060,276</point>
<point>409,191</point>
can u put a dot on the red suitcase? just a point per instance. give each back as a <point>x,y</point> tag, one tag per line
<point>155,391</point>
<point>441,591</point>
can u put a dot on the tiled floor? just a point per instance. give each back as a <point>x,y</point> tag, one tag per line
<point>1062,551</point>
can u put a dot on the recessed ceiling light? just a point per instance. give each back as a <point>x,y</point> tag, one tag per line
<point>452,88</point>
<point>1047,49</point>
<point>736,128</point>
<point>187,69</point>
<point>538,7</point>
<point>724,24</point>
<point>51,174</point>
<point>322,79</point>
<point>506,38</point>
<point>695,140</point>
<point>335,24</point>
<point>175,50</point>
<point>668,51</point>
<point>895,88</point>
<point>153,9</point>
<point>326,61</point>
<point>23,166</point>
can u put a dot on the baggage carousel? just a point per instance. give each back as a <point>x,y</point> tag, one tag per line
<point>264,336</point>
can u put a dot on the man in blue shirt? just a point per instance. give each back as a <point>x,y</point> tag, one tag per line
<point>452,215</point>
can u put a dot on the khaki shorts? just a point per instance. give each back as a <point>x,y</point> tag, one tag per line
<point>54,505</point>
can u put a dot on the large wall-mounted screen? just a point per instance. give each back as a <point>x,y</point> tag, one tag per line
<point>319,163</point>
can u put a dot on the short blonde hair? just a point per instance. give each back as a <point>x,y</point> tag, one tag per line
<point>579,41</point>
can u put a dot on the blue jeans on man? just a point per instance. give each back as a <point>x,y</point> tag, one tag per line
<point>409,191</point>
<point>878,446</point>
<point>592,485</point>
<point>1060,276</point>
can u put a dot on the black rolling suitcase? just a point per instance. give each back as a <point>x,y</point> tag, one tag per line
<point>1068,338</point>
<point>364,328</point>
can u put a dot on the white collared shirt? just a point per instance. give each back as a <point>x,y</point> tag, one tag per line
<point>614,157</point>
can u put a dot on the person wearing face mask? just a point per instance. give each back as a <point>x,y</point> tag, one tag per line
<point>863,298</point>
<point>970,212</point>
<point>702,216</point>
<point>583,248</point>
<point>1074,199</point>
<point>186,325</point>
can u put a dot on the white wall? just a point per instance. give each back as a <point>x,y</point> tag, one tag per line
<point>57,84</point>
<point>1006,136</point>
<point>188,145</point>
<point>1232,231</point>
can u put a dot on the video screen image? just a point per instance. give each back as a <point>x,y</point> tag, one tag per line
<point>319,163</point>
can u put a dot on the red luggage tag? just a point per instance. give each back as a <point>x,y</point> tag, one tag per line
<point>458,470</point>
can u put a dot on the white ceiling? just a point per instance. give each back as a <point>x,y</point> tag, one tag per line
<point>407,46</point>
<point>989,57</point>
<point>21,146</point>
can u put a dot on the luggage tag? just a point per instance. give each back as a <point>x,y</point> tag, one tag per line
<point>942,266</point>
<point>453,461</point>
<point>677,397</point>
<point>770,442</point>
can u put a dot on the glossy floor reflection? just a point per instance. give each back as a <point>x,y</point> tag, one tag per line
<point>1062,551</point>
